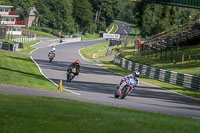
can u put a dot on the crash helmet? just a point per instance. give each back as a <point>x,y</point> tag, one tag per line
<point>76,63</point>
<point>137,74</point>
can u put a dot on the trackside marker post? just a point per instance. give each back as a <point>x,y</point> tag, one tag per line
<point>60,86</point>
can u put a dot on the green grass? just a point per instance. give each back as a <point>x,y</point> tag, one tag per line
<point>114,28</point>
<point>27,46</point>
<point>6,40</point>
<point>88,36</point>
<point>131,24</point>
<point>20,70</point>
<point>40,33</point>
<point>27,114</point>
<point>110,26</point>
<point>95,51</point>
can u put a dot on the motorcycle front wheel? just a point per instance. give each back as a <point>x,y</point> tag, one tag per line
<point>125,92</point>
<point>70,77</point>
<point>50,60</point>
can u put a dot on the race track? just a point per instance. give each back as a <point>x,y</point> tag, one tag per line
<point>97,85</point>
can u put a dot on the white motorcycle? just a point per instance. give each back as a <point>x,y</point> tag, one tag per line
<point>127,85</point>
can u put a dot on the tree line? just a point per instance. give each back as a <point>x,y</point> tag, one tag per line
<point>154,18</point>
<point>70,16</point>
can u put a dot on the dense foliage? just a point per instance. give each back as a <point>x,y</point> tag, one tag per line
<point>154,18</point>
<point>70,16</point>
<point>92,16</point>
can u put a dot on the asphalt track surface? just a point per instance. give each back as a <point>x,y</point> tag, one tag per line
<point>97,85</point>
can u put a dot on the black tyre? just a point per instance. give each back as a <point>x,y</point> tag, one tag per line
<point>50,60</point>
<point>70,77</point>
<point>116,95</point>
<point>125,92</point>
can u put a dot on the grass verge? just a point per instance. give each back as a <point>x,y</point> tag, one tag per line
<point>27,46</point>
<point>20,70</point>
<point>6,40</point>
<point>40,33</point>
<point>22,114</point>
<point>88,36</point>
<point>115,27</point>
<point>95,51</point>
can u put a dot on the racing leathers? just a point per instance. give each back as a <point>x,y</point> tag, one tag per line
<point>129,76</point>
<point>74,66</point>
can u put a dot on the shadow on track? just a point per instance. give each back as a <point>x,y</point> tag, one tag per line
<point>62,66</point>
<point>140,92</point>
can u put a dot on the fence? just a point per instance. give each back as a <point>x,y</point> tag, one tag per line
<point>184,80</point>
<point>23,39</point>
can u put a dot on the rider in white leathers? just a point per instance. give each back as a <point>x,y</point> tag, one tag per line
<point>53,50</point>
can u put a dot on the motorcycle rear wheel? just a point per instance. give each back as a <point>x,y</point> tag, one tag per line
<point>116,95</point>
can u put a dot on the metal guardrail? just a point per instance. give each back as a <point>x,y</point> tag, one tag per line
<point>23,39</point>
<point>184,80</point>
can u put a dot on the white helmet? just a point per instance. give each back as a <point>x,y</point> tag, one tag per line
<point>137,74</point>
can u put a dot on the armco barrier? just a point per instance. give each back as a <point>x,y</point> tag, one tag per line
<point>23,39</point>
<point>184,80</point>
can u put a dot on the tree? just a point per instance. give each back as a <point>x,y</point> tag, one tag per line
<point>56,14</point>
<point>83,15</point>
<point>105,11</point>
<point>2,2</point>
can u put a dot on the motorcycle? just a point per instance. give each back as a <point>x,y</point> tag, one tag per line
<point>126,87</point>
<point>51,56</point>
<point>71,74</point>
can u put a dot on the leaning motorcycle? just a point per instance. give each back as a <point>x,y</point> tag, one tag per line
<point>51,57</point>
<point>71,74</point>
<point>127,85</point>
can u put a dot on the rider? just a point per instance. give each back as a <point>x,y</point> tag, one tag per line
<point>134,76</point>
<point>53,50</point>
<point>75,65</point>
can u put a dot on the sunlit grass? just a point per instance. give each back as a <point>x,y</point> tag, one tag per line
<point>27,46</point>
<point>41,114</point>
<point>20,70</point>
<point>40,33</point>
<point>88,36</point>
<point>95,51</point>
